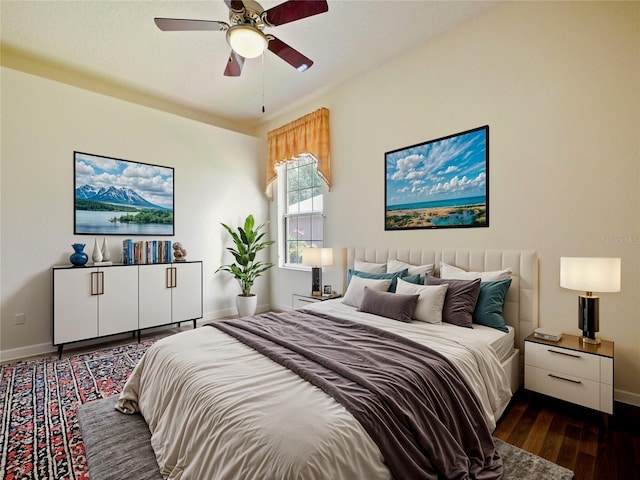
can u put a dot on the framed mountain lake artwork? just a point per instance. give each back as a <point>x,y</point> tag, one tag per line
<point>121,197</point>
<point>442,183</point>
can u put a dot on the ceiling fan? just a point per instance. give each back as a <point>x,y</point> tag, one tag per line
<point>245,30</point>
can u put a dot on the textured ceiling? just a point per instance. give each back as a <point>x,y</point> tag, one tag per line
<point>117,43</point>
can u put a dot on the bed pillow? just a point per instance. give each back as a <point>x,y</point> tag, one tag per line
<point>377,276</point>
<point>355,289</point>
<point>430,302</point>
<point>460,300</point>
<point>397,265</point>
<point>390,305</point>
<point>449,271</point>
<point>369,267</point>
<point>490,304</point>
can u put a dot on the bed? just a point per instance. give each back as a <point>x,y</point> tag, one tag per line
<point>219,409</point>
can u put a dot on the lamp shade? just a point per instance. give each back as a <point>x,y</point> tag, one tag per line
<point>317,257</point>
<point>247,41</point>
<point>590,274</point>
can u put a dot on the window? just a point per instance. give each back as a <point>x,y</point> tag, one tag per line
<point>301,207</point>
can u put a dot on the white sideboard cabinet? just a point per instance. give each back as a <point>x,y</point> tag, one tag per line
<point>92,302</point>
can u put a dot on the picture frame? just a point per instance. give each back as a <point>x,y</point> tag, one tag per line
<point>440,183</point>
<point>113,196</point>
<point>326,290</point>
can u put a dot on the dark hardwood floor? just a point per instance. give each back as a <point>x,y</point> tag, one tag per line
<point>574,437</point>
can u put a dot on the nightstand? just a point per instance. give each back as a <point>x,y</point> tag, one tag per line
<point>301,301</point>
<point>571,371</point>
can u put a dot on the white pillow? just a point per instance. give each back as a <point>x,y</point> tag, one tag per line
<point>455,273</point>
<point>430,302</point>
<point>397,265</point>
<point>369,267</point>
<point>355,290</point>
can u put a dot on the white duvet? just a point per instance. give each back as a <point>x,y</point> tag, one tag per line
<point>219,410</point>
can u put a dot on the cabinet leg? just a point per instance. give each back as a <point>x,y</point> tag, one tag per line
<point>60,351</point>
<point>194,323</point>
<point>138,336</point>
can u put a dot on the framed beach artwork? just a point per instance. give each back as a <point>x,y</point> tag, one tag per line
<point>121,197</point>
<point>442,183</point>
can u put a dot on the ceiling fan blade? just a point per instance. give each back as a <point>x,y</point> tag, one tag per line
<point>236,5</point>
<point>234,65</point>
<point>289,54</point>
<point>294,10</point>
<point>179,24</point>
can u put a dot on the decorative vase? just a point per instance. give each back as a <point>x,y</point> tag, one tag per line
<point>97,254</point>
<point>78,258</point>
<point>106,255</point>
<point>246,305</point>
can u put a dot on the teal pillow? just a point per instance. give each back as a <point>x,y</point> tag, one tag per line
<point>416,279</point>
<point>379,276</point>
<point>490,304</point>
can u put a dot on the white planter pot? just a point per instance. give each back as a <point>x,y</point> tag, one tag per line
<point>246,305</point>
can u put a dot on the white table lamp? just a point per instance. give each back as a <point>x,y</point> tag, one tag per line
<point>317,258</point>
<point>590,275</point>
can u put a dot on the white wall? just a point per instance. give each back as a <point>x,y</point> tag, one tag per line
<point>559,85</point>
<point>216,180</point>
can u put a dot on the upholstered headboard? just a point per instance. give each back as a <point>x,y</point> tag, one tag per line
<point>521,305</point>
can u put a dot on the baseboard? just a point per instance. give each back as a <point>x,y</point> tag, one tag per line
<point>25,352</point>
<point>627,397</point>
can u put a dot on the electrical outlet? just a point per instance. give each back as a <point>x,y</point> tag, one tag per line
<point>20,319</point>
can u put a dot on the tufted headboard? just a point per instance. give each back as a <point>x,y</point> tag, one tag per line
<point>521,305</point>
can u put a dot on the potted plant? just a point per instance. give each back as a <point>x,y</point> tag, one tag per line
<point>248,242</point>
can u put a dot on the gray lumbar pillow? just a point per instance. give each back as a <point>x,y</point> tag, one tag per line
<point>390,305</point>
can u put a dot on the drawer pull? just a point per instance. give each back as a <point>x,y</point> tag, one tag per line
<point>564,353</point>
<point>304,300</point>
<point>563,378</point>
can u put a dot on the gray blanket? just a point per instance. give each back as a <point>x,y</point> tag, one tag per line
<point>411,400</point>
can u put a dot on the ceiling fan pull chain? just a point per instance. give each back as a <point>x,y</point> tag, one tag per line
<point>263,83</point>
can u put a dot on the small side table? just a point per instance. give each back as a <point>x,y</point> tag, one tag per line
<point>302,300</point>
<point>571,371</point>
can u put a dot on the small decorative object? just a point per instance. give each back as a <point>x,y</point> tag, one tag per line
<point>179,253</point>
<point>326,290</point>
<point>96,256</point>
<point>442,183</point>
<point>106,255</point>
<point>78,258</point>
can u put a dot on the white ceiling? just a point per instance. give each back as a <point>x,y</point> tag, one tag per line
<point>118,43</point>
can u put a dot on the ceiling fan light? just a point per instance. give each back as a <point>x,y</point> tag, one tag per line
<point>247,41</point>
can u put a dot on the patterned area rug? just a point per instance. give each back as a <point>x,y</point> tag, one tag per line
<point>39,433</point>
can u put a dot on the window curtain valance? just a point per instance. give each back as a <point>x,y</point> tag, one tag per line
<point>306,135</point>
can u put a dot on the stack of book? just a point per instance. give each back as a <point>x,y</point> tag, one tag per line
<point>152,251</point>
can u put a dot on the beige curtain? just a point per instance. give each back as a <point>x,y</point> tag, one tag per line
<point>306,135</point>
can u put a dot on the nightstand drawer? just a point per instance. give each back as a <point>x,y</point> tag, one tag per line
<point>301,302</point>
<point>565,387</point>
<point>562,360</point>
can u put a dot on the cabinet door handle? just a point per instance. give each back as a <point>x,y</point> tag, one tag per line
<point>565,379</point>
<point>567,354</point>
<point>94,282</point>
<point>97,283</point>
<point>168,277</point>
<point>175,277</point>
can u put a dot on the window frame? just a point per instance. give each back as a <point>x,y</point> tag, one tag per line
<point>284,216</point>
